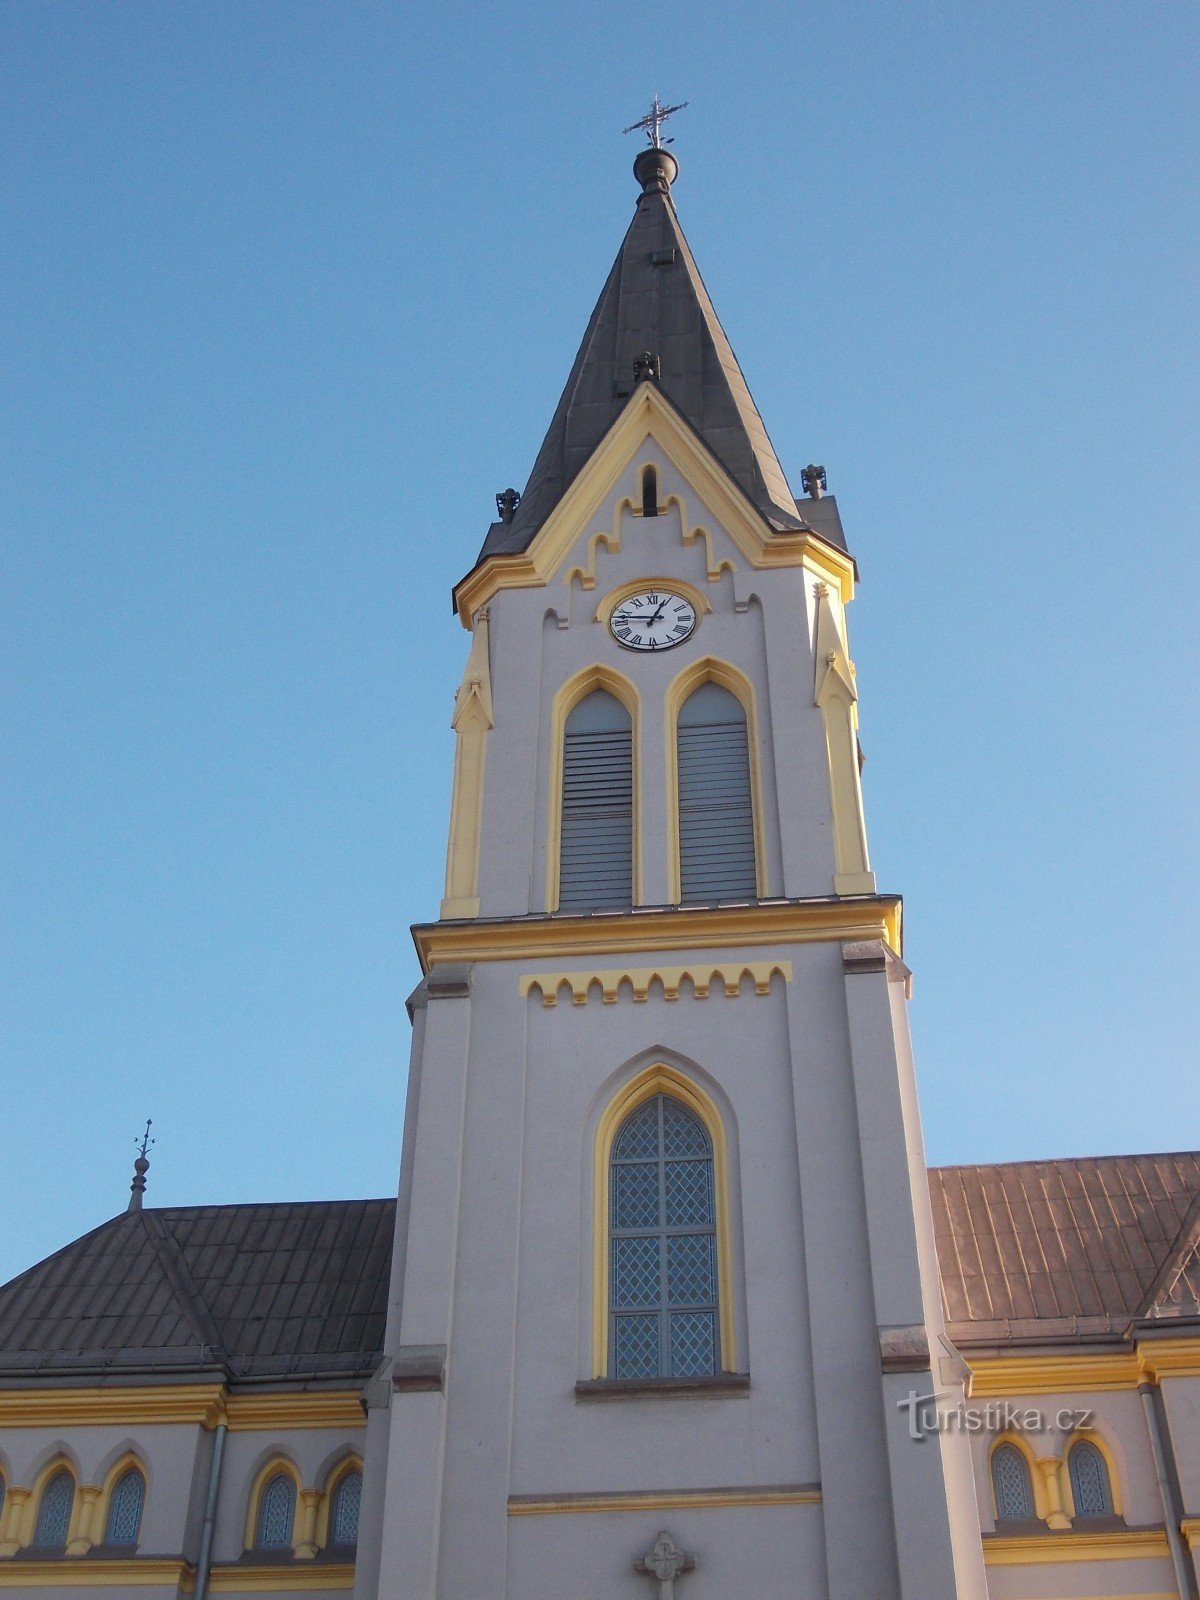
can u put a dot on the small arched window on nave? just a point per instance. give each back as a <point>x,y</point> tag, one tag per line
<point>1091,1491</point>
<point>125,1508</point>
<point>347,1502</point>
<point>1011,1485</point>
<point>276,1513</point>
<point>54,1511</point>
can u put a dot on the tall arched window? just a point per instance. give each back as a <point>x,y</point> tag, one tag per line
<point>125,1508</point>
<point>596,842</point>
<point>663,1239</point>
<point>1011,1484</point>
<point>343,1517</point>
<point>54,1512</point>
<point>716,812</point>
<point>276,1513</point>
<point>1090,1488</point>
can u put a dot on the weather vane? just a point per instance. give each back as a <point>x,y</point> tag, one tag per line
<point>145,1141</point>
<point>653,120</point>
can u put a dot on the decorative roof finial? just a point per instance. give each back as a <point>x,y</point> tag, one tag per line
<point>813,481</point>
<point>140,1168</point>
<point>652,122</point>
<point>507,502</point>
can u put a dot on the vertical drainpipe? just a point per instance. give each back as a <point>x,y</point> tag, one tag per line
<point>204,1559</point>
<point>1168,1488</point>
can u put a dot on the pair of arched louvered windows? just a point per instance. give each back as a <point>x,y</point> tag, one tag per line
<point>277,1511</point>
<point>1012,1486</point>
<point>716,815</point>
<point>124,1519</point>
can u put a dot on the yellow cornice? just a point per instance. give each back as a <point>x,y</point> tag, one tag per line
<point>530,1505</point>
<point>1170,1358</point>
<point>203,1404</point>
<point>1053,1372</point>
<point>127,1573</point>
<point>1190,1528</point>
<point>306,1409</point>
<point>241,1577</point>
<point>649,412</point>
<point>783,922</point>
<point>1039,1549</point>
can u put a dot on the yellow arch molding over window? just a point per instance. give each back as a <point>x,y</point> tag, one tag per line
<point>340,1472</point>
<point>1101,1444</point>
<point>710,669</point>
<point>659,1079</point>
<point>1036,1483</point>
<point>597,676</point>
<point>265,1476</point>
<point>129,1462</point>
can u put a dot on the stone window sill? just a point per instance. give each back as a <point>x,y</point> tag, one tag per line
<point>723,1383</point>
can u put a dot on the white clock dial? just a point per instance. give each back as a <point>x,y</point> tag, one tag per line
<point>652,619</point>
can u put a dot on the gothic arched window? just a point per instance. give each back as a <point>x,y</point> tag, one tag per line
<point>716,810</point>
<point>649,492</point>
<point>343,1517</point>
<point>125,1508</point>
<point>276,1513</point>
<point>596,842</point>
<point>1011,1484</point>
<point>1090,1488</point>
<point>663,1266</point>
<point>54,1512</point>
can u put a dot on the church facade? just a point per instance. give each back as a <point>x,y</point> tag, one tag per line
<point>668,1303</point>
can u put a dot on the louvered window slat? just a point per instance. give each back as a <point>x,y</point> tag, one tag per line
<point>716,818</point>
<point>596,843</point>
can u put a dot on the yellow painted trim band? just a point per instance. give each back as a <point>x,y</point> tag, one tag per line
<point>666,928</point>
<point>1038,1549</point>
<point>1190,1528</point>
<point>238,1577</point>
<point>530,1505</point>
<point>201,1403</point>
<point>1054,1373</point>
<point>727,976</point>
<point>310,1409</point>
<point>128,1573</point>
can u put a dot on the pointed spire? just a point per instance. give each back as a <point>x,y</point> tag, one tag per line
<point>653,320</point>
<point>140,1168</point>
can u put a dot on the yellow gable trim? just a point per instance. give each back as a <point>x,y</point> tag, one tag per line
<point>648,412</point>
<point>1038,1549</point>
<point>863,917</point>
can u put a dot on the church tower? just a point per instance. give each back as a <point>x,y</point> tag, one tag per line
<point>664,1271</point>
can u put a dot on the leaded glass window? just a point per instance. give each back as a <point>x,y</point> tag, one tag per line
<point>276,1511</point>
<point>347,1498</point>
<point>125,1508</point>
<point>1090,1488</point>
<point>663,1264</point>
<point>1011,1484</point>
<point>54,1512</point>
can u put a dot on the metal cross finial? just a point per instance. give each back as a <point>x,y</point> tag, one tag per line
<point>140,1168</point>
<point>653,120</point>
<point>666,1562</point>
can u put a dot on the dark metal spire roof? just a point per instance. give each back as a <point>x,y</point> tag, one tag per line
<point>654,301</point>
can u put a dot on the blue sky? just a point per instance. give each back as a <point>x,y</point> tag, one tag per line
<point>289,291</point>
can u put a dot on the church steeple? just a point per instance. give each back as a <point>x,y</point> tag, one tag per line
<point>653,305</point>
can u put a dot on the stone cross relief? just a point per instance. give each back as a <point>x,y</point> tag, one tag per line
<point>665,1562</point>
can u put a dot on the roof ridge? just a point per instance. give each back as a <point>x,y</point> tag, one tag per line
<point>1172,1263</point>
<point>170,1256</point>
<point>1058,1161</point>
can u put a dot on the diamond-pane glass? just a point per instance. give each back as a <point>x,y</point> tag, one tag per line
<point>125,1508</point>
<point>635,1352</point>
<point>636,1272</point>
<point>348,1499</point>
<point>635,1195</point>
<point>275,1512</point>
<point>689,1193</point>
<point>664,1248</point>
<point>691,1278</point>
<point>693,1347</point>
<point>638,1139</point>
<point>1010,1480</point>
<point>682,1134</point>
<point>54,1513</point>
<point>1089,1481</point>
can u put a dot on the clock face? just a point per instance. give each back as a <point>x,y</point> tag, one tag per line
<point>652,619</point>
